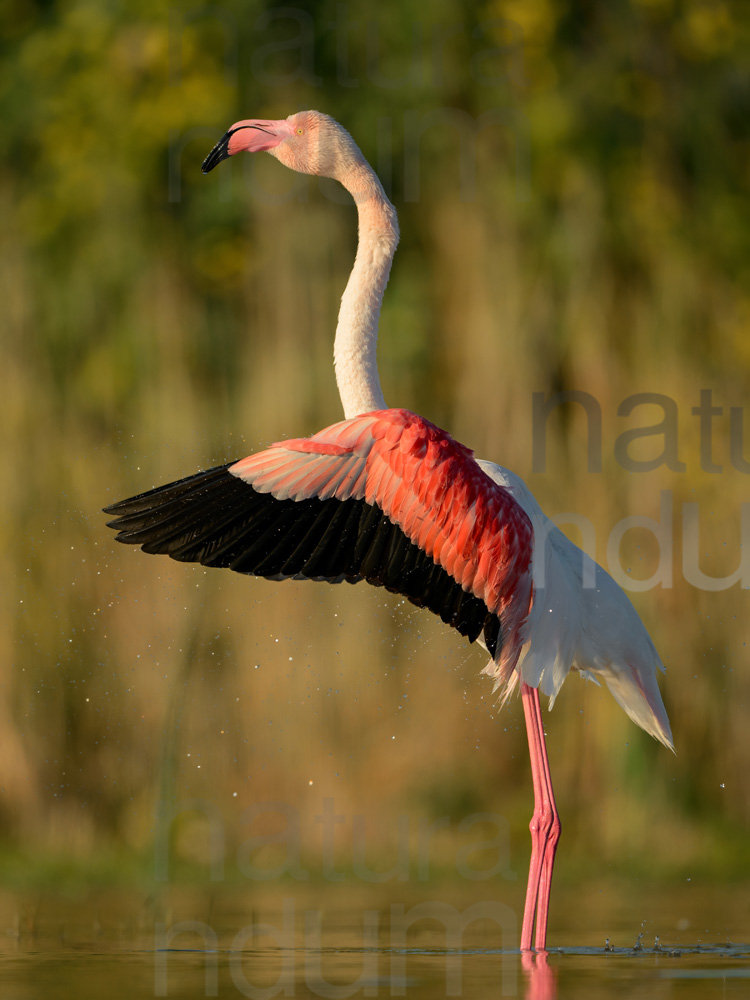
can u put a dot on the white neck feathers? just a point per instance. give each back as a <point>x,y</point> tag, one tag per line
<point>355,347</point>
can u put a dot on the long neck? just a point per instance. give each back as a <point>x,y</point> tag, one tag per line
<point>356,341</point>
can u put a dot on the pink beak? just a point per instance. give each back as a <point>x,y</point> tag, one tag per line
<point>253,135</point>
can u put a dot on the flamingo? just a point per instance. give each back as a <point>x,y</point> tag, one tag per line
<point>387,497</point>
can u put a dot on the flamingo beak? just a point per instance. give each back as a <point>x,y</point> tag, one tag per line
<point>254,136</point>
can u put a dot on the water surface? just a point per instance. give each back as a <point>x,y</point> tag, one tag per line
<point>288,940</point>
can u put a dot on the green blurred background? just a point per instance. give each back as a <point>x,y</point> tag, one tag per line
<point>593,236</point>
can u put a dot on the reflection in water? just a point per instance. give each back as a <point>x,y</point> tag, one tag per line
<point>541,978</point>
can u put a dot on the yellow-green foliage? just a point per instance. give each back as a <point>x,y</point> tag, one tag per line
<point>594,237</point>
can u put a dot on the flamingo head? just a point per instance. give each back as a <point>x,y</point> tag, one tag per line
<point>308,142</point>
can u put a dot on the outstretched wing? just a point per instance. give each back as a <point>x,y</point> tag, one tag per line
<point>385,497</point>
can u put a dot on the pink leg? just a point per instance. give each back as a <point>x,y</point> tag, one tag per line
<point>545,826</point>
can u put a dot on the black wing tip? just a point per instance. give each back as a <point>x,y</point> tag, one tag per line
<point>121,536</point>
<point>218,153</point>
<point>113,508</point>
<point>146,501</point>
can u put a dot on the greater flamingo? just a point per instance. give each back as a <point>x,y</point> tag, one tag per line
<point>387,497</point>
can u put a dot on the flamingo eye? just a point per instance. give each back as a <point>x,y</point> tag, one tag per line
<point>300,131</point>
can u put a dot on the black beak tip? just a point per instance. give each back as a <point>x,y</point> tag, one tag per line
<point>218,153</point>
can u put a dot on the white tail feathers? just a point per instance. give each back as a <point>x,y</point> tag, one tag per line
<point>637,693</point>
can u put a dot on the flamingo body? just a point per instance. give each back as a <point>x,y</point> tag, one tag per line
<point>426,520</point>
